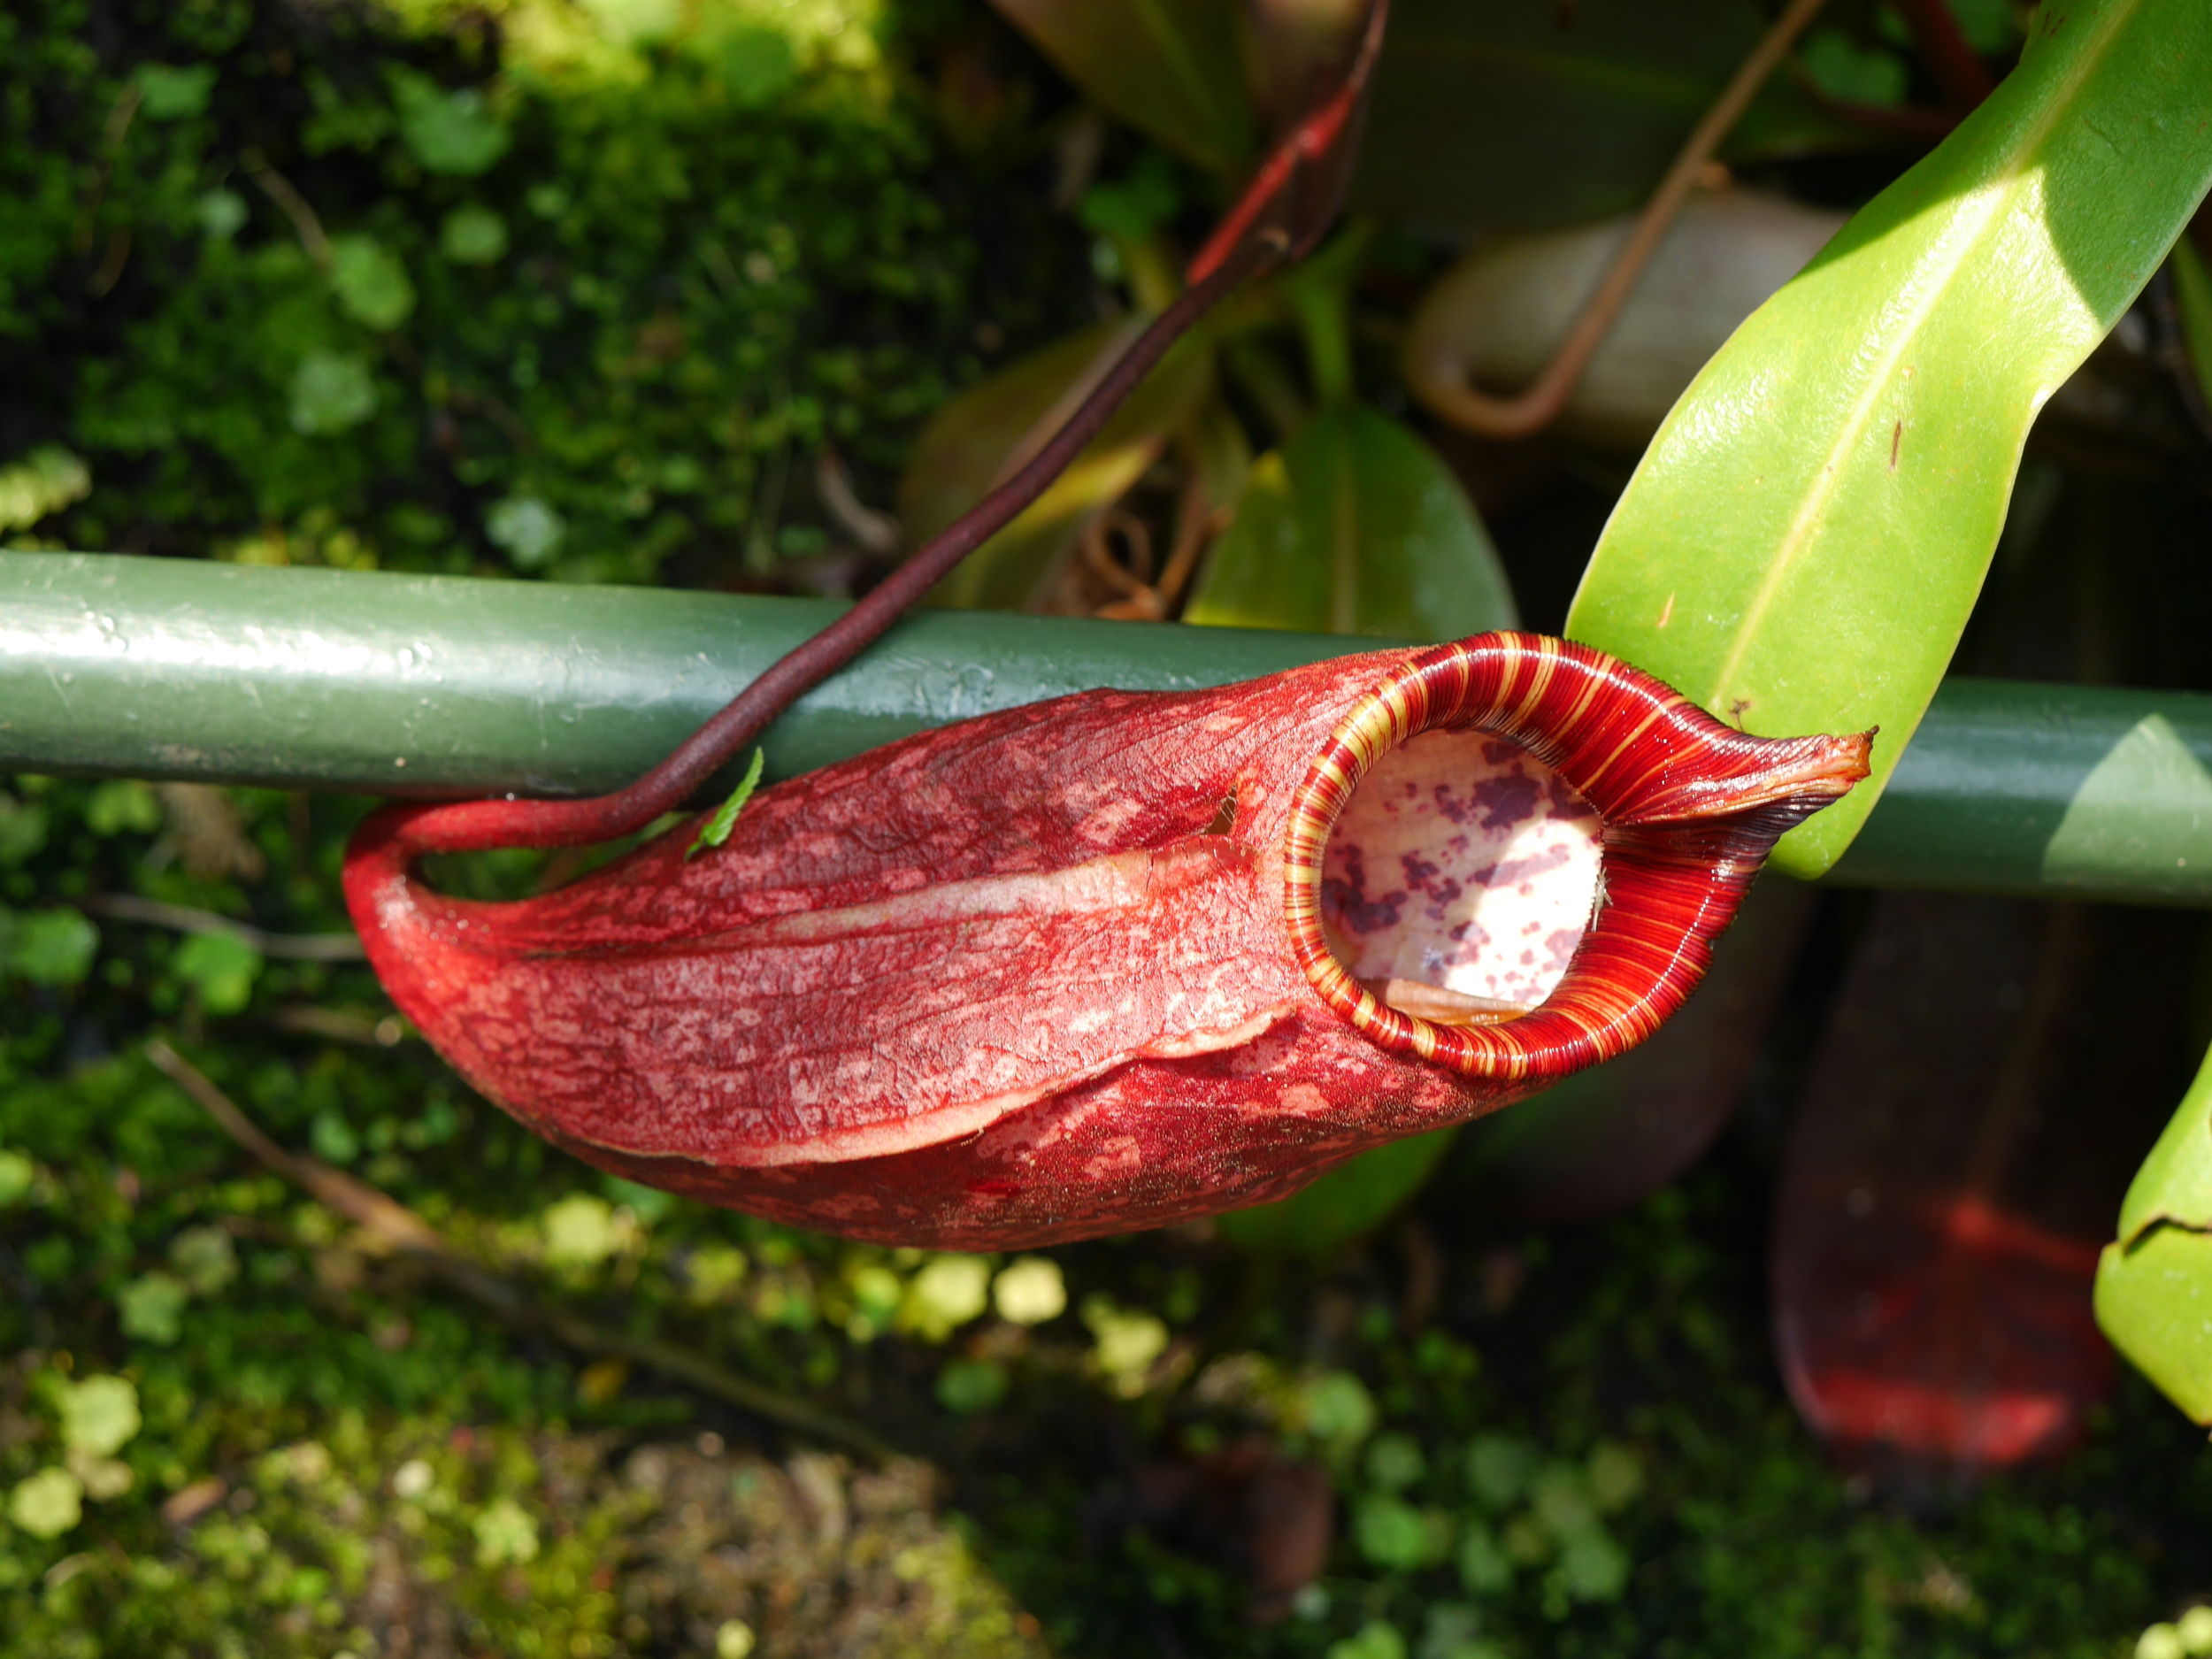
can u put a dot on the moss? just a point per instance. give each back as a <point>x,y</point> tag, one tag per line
<point>390,273</point>
<point>1608,1466</point>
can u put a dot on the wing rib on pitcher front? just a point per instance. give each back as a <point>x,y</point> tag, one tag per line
<point>1023,978</point>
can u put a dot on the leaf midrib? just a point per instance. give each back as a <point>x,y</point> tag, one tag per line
<point>2002,191</point>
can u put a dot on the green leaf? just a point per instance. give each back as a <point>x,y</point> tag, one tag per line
<point>45,480</point>
<point>965,450</point>
<point>1394,1535</point>
<point>2175,1184</point>
<point>1499,1468</point>
<point>121,804</point>
<point>1348,1201</point>
<point>332,1137</point>
<point>22,830</point>
<point>1174,69</point>
<point>221,968</point>
<point>371,284</point>
<point>635,22</point>
<point>1355,526</point>
<point>951,1289</point>
<point>472,234</point>
<point>48,1503</point>
<point>580,1230</point>
<point>1507,115</point>
<point>1133,207</point>
<point>1029,1292</point>
<point>331,393</point>
<point>505,1532</point>
<point>1378,1638</point>
<point>2154,1281</point>
<point>1337,1410</point>
<point>2192,296</point>
<point>1844,69</point>
<point>169,92</point>
<point>99,1415</point>
<point>1484,1567</point>
<point>716,829</point>
<point>1802,542</point>
<point>18,1174</point>
<point>221,213</point>
<point>527,528</point>
<point>966,1386</point>
<point>1395,1462</point>
<point>756,64</point>
<point>50,947</point>
<point>151,1307</point>
<point>452,132</point>
<point>205,1258</point>
<point>2155,1301</point>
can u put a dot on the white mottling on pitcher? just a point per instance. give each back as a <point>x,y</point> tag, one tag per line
<point>1462,862</point>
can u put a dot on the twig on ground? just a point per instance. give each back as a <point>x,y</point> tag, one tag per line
<point>337,1026</point>
<point>393,1226</point>
<point>279,190</point>
<point>127,907</point>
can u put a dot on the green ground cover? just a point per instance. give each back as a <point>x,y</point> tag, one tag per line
<point>230,1423</point>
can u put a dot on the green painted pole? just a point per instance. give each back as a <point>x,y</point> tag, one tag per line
<point>158,668</point>
<point>443,686</point>
<point>2064,791</point>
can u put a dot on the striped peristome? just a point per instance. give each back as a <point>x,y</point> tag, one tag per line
<point>1690,806</point>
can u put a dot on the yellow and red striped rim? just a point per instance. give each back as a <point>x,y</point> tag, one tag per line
<point>1628,744</point>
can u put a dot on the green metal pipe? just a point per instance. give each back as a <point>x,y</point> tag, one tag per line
<point>157,668</point>
<point>443,686</point>
<point>2062,791</point>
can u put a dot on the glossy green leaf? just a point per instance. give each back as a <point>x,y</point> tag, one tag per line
<point>2193,296</point>
<point>1174,69</point>
<point>1349,1201</point>
<point>1355,526</point>
<point>966,449</point>
<point>1512,114</point>
<point>2155,1282</point>
<point>1802,542</point>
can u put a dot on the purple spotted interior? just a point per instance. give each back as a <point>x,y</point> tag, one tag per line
<point>1464,863</point>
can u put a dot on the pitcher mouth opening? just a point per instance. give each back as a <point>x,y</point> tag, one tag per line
<point>1459,877</point>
